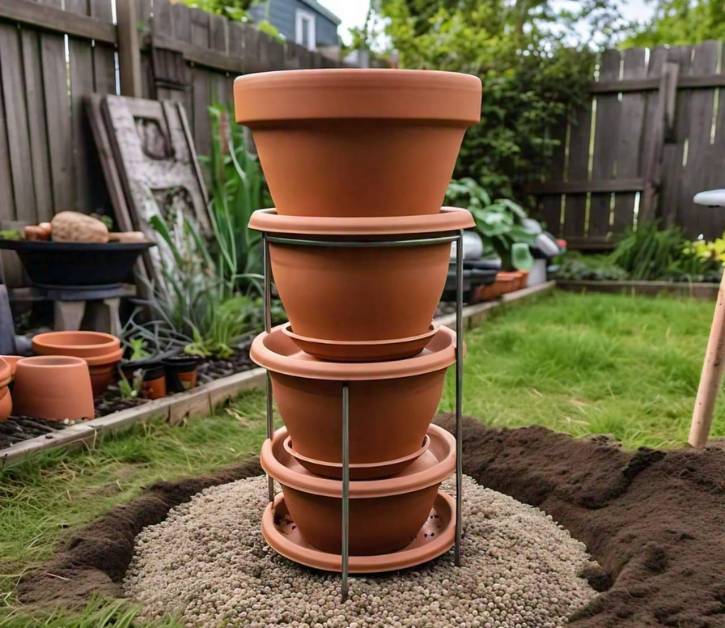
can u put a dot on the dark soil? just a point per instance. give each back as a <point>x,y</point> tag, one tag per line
<point>655,522</point>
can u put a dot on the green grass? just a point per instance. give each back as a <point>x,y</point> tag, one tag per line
<point>591,364</point>
<point>609,364</point>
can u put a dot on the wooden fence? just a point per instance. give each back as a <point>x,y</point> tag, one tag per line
<point>53,52</point>
<point>651,136</point>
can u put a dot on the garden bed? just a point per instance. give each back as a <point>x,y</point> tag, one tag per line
<point>699,290</point>
<point>653,520</point>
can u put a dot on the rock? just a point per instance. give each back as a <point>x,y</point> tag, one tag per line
<point>76,227</point>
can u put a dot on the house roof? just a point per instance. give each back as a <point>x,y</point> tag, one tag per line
<point>313,4</point>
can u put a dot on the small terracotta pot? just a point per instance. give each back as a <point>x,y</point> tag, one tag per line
<point>101,351</point>
<point>345,142</point>
<point>352,304</point>
<point>391,403</point>
<point>181,372</point>
<point>53,387</point>
<point>12,360</point>
<point>385,515</point>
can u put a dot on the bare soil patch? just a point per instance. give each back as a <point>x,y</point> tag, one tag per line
<point>654,521</point>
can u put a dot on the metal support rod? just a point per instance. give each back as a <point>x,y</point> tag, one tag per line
<point>459,396</point>
<point>345,553</point>
<point>268,328</point>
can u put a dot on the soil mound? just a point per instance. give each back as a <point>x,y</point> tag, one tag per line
<point>654,521</point>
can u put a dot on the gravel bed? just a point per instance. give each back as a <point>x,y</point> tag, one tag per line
<point>208,564</point>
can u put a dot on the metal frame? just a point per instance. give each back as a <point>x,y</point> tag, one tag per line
<point>345,410</point>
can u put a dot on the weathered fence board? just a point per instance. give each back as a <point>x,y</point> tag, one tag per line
<point>657,137</point>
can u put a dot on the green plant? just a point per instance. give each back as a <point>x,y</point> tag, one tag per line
<point>576,266</point>
<point>651,253</point>
<point>681,23</point>
<point>130,389</point>
<point>499,222</point>
<point>138,349</point>
<point>237,189</point>
<point>11,234</point>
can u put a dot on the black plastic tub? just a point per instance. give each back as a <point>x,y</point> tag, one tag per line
<point>78,265</point>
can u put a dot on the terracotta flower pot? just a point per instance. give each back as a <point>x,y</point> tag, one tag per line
<point>357,142</point>
<point>391,403</point>
<point>12,361</point>
<point>6,401</point>
<point>353,304</point>
<point>53,387</point>
<point>101,351</point>
<point>385,515</point>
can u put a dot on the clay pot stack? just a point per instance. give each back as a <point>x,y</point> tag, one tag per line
<point>351,157</point>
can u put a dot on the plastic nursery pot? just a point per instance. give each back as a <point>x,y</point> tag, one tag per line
<point>53,387</point>
<point>360,304</point>
<point>357,142</point>
<point>101,351</point>
<point>154,382</point>
<point>391,403</point>
<point>181,372</point>
<point>6,402</point>
<point>385,515</point>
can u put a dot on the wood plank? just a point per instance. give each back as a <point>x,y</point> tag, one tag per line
<point>181,17</point>
<point>7,201</point>
<point>58,115</point>
<point>701,81</point>
<point>606,139</point>
<point>696,220</point>
<point>145,21</point>
<point>129,56</point>
<point>219,94</point>
<point>549,206</point>
<point>201,89</point>
<point>577,170</point>
<point>104,62</point>
<point>585,186</point>
<point>80,63</point>
<point>33,73</point>
<point>50,17</point>
<point>16,115</point>
<point>629,139</point>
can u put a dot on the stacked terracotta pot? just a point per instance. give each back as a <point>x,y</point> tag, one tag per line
<point>351,157</point>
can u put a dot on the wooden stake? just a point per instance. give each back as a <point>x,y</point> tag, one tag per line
<point>711,376</point>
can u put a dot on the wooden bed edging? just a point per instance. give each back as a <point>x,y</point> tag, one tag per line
<point>204,399</point>
<point>706,291</point>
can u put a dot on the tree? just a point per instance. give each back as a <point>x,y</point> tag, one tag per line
<point>534,60</point>
<point>681,22</point>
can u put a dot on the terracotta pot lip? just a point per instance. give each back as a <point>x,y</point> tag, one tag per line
<point>341,93</point>
<point>429,470</point>
<point>59,341</point>
<point>317,559</point>
<point>108,358</point>
<point>287,444</point>
<point>287,331</point>
<point>447,219</point>
<point>51,361</point>
<point>438,354</point>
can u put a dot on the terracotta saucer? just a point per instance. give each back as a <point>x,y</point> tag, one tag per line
<point>361,350</point>
<point>435,538</point>
<point>374,471</point>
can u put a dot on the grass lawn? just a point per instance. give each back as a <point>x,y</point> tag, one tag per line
<point>579,364</point>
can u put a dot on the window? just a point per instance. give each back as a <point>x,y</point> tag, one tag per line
<point>305,29</point>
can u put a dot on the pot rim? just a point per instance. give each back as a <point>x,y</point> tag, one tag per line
<point>407,481</point>
<point>51,362</point>
<point>53,340</point>
<point>437,355</point>
<point>339,93</point>
<point>287,444</point>
<point>447,219</point>
<point>317,559</point>
<point>287,331</point>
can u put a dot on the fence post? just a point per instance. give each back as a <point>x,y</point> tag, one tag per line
<point>129,52</point>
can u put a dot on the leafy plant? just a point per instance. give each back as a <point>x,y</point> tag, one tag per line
<point>131,389</point>
<point>238,189</point>
<point>138,349</point>
<point>574,265</point>
<point>499,222</point>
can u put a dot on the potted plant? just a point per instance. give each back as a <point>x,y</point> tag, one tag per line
<point>505,230</point>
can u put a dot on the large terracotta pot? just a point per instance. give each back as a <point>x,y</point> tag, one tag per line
<point>385,515</point>
<point>53,387</point>
<point>391,403</point>
<point>357,142</point>
<point>102,352</point>
<point>357,304</point>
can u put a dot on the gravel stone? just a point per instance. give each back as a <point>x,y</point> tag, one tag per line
<point>208,564</point>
